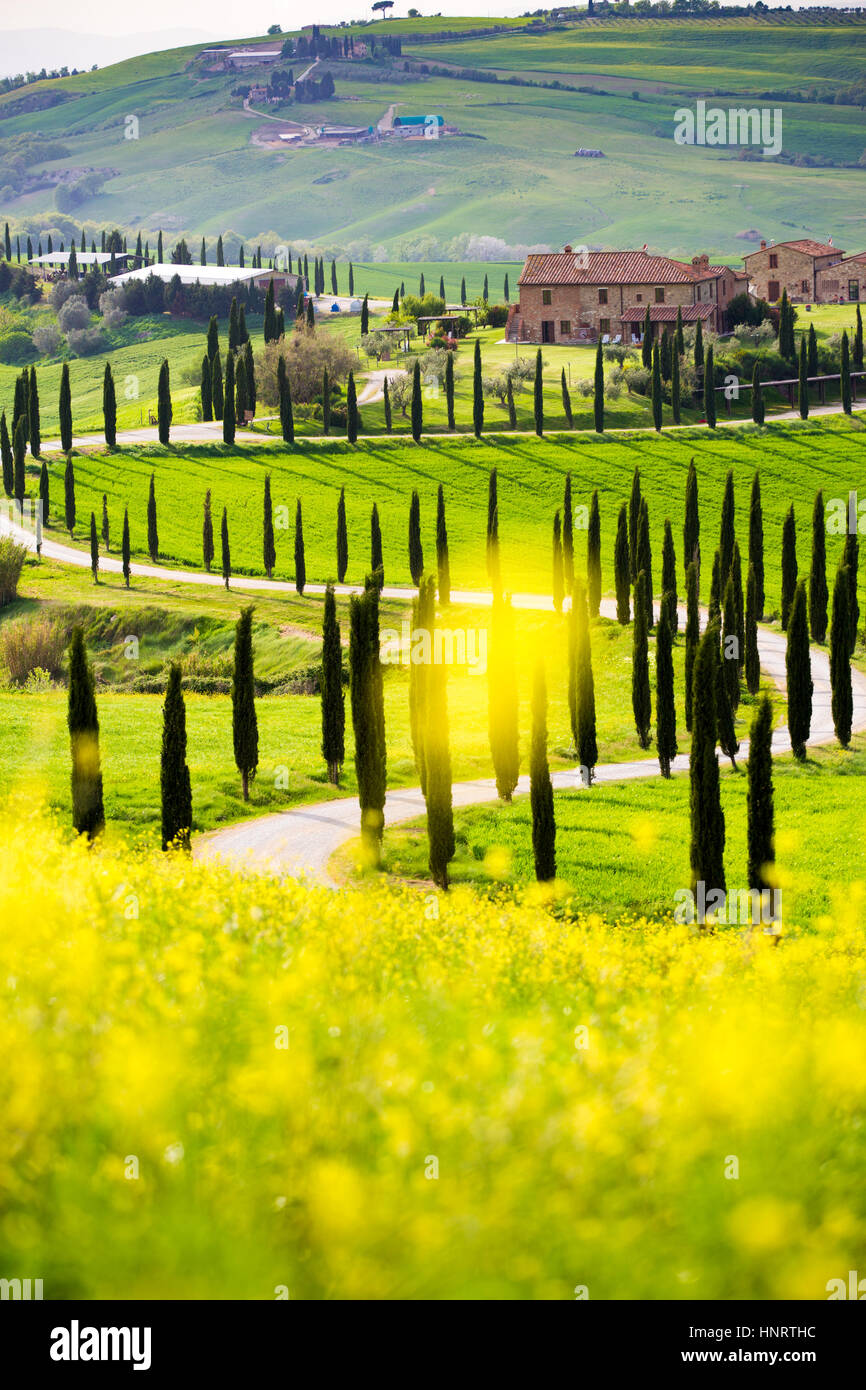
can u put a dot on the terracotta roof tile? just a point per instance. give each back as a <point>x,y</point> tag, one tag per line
<point>667,313</point>
<point>604,268</point>
<point>808,248</point>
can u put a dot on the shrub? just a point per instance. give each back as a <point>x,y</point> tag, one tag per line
<point>84,342</point>
<point>306,356</point>
<point>62,290</point>
<point>32,644</point>
<point>12,558</point>
<point>74,313</point>
<point>46,339</point>
<point>112,307</point>
<point>16,348</point>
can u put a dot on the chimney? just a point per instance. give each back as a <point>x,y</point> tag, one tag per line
<point>763,246</point>
<point>566,249</point>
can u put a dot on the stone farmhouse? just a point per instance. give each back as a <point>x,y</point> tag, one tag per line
<point>844,282</point>
<point>794,266</point>
<point>579,297</point>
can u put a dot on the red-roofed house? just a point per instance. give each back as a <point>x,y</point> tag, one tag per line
<point>578,297</point>
<point>790,265</point>
<point>844,282</point>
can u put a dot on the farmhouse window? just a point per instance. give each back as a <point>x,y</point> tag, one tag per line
<point>804,286</point>
<point>545,297</point>
<point>639,298</point>
<point>660,294</point>
<point>565,328</point>
<point>853,289</point>
<point>604,325</point>
<point>602,296</point>
<point>773,290</point>
<point>774,261</point>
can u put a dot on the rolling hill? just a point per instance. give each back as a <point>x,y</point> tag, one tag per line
<point>523,96</point>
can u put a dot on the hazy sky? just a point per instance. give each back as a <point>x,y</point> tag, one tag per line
<point>223,18</point>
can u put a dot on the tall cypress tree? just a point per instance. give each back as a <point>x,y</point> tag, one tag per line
<point>300,558</point>
<point>206,390</point>
<point>752,659</point>
<point>737,581</point>
<point>693,635</point>
<point>666,713</point>
<point>665,355</point>
<point>647,341</point>
<point>377,564</point>
<point>423,619</point>
<point>287,420</point>
<point>245,729</point>
<point>724,709</point>
<point>213,336</point>
<point>65,409</point>
<point>593,557</point>
<point>163,403</point>
<point>538,396</point>
<point>125,549</point>
<point>44,498</point>
<point>234,327</point>
<point>644,560</point>
<point>19,456</point>
<point>845,373</point>
<point>759,799</point>
<point>368,720</point>
<point>353,414</point>
<point>417,413</point>
<point>229,416</point>
<point>858,341</point>
<point>756,544</point>
<point>449,390</point>
<point>568,536</point>
<point>715,603</point>
<point>502,698</point>
<point>437,755</point>
<point>640,683</point>
<point>803,382</point>
<point>365,316</point>
<point>269,328</point>
<point>8,460</point>
<point>598,390</point>
<point>105,524</point>
<point>789,564</point>
<point>216,385</point>
<point>812,352</point>
<point>416,553</point>
<point>669,580</point>
<point>633,521</point>
<point>656,388</point>
<point>540,786</point>
<point>726,538</point>
<point>758,411</point>
<point>152,531</point>
<point>443,562</point>
<point>493,568</point>
<point>477,392</point>
<point>566,402</point>
<point>94,549</point>
<point>851,561</point>
<point>69,495</point>
<point>242,403</point>
<point>333,705</point>
<point>707,848</point>
<point>621,568</point>
<point>269,550</point>
<point>207,533</point>
<point>676,389</point>
<point>582,686</point>
<point>818,593</point>
<point>558,583</point>
<point>799,669</point>
<point>710,389</point>
<point>699,346</point>
<point>842,701</point>
<point>225,549</point>
<point>386,403</point>
<point>174,779</point>
<point>692,522</point>
<point>730,646</point>
<point>88,814</point>
<point>33,421</point>
<point>342,538</point>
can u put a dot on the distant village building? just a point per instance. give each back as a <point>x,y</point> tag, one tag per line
<point>57,262</point>
<point>210,275</point>
<point>578,297</point>
<point>844,282</point>
<point>252,57</point>
<point>794,266</point>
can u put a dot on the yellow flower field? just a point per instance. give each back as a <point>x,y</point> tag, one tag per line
<point>218,1086</point>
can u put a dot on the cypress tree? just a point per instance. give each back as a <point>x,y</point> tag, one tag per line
<point>442,286</point>
<point>851,561</point>
<point>250,369</point>
<point>710,389</point>
<point>665,355</point>
<point>676,390</point>
<point>477,392</point>
<point>416,553</point>
<point>757,396</point>
<point>333,705</point>
<point>94,549</point>
<point>752,658</point>
<point>646,351</point>
<point>715,603</point>
<point>442,559</point>
<point>105,526</point>
<point>395,306</point>
<point>666,713</point>
<point>229,417</point>
<point>7,456</point>
<point>234,327</point>
<point>842,702</point>
<point>88,815</point>
<point>566,402</point>
<point>423,618</point>
<point>449,390</point>
<point>707,848</point>
<point>206,391</point>
<point>582,686</point>
<point>69,495</point>
<point>216,385</point>
<point>163,406</point>
<point>540,786</point>
<point>730,646</point>
<point>368,718</point>
<point>213,336</point>
<point>502,698</point>
<point>440,815</point>
<point>558,585</point>
<point>493,568</point>
<point>756,544</point>
<point>226,551</point>
<point>633,520</point>
<point>693,636</point>
<point>621,568</point>
<point>509,401</point>
<point>8,244</point>
<point>386,402</point>
<point>593,557</point>
<point>656,388</point>
<point>692,523</point>
<point>207,533</point>
<point>679,340</point>
<point>858,341</point>
<point>365,316</point>
<point>737,580</point>
<point>269,327</point>
<point>287,421</point>
<point>845,374</point>
<point>125,550</point>
<point>19,455</point>
<point>538,396</point>
<point>269,551</point>
<point>789,564</point>
<point>803,383</point>
<point>669,581</point>
<point>417,403</point>
<point>44,493</point>
<point>109,407</point>
<point>568,536</point>
<point>377,563</point>
<point>818,593</point>
<point>245,729</point>
<point>300,560</point>
<point>759,799</point>
<point>799,668</point>
<point>174,779</point>
<point>726,538</point>
<point>342,538</point>
<point>699,346</point>
<point>724,709</point>
<point>65,409</point>
<point>598,390</point>
<point>463,290</point>
<point>33,415</point>
<point>242,403</point>
<point>644,560</point>
<point>353,414</point>
<point>640,684</point>
<point>152,532</point>
<point>812,352</point>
